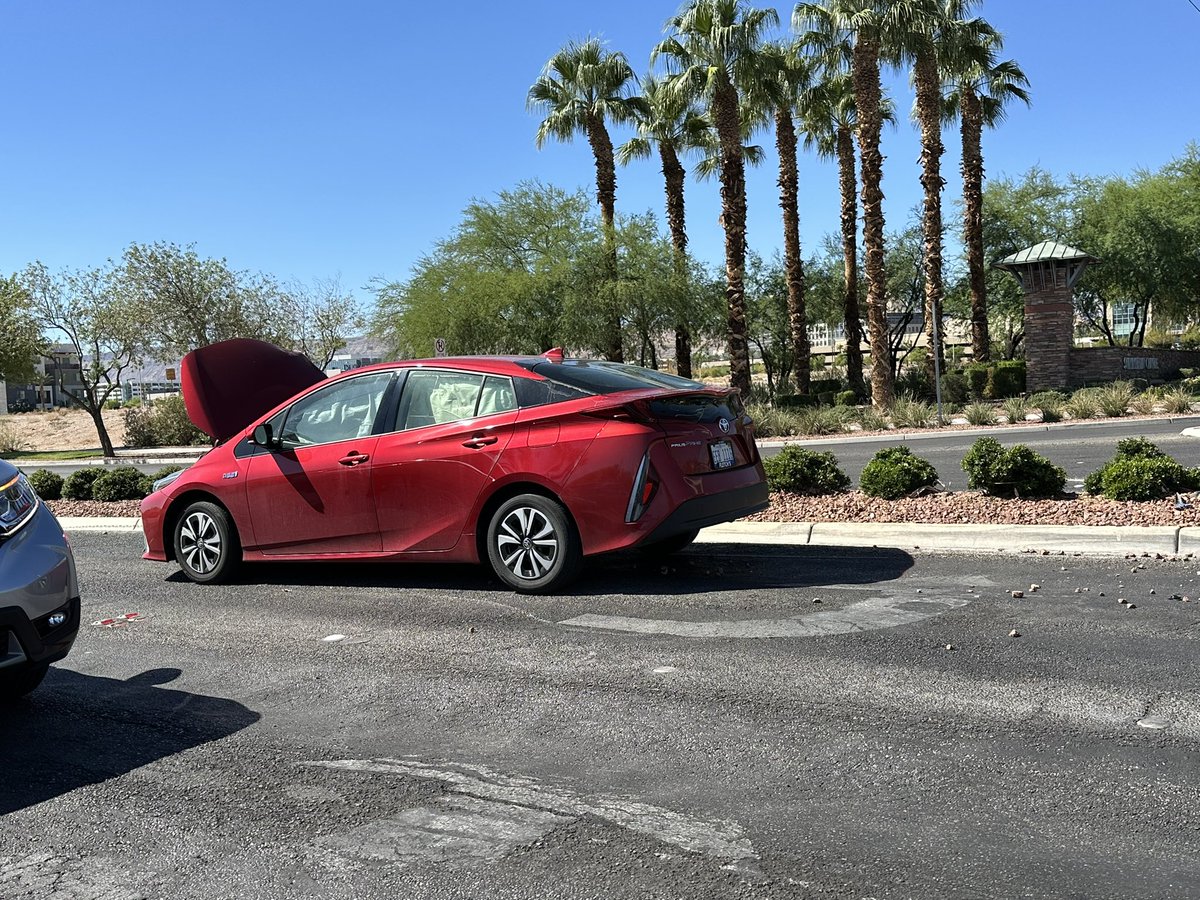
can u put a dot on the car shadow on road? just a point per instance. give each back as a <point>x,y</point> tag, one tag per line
<point>78,730</point>
<point>701,568</point>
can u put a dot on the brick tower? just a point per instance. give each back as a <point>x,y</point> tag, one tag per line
<point>1047,272</point>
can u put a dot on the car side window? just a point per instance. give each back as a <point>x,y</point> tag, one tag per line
<point>434,398</point>
<point>340,412</point>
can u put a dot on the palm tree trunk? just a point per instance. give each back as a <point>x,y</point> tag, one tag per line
<point>727,119</point>
<point>867,91</point>
<point>789,190</point>
<point>972,176</point>
<point>848,181</point>
<point>929,111</point>
<point>673,176</point>
<point>606,194</point>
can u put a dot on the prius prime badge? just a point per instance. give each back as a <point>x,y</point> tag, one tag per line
<point>723,424</point>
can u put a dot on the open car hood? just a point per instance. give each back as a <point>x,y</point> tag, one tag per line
<point>227,386</point>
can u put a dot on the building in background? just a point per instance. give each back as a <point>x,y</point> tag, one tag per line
<point>56,375</point>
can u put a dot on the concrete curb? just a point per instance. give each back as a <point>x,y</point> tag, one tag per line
<point>1097,540</point>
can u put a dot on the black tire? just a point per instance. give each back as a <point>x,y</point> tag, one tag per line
<point>532,544</point>
<point>15,685</point>
<point>206,544</point>
<point>673,544</point>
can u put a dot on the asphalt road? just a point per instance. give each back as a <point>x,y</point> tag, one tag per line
<point>1079,449</point>
<point>700,729</point>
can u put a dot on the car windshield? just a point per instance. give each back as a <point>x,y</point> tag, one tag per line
<point>598,377</point>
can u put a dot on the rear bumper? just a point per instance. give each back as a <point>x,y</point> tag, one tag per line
<point>712,509</point>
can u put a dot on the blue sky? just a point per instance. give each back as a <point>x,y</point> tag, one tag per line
<point>311,139</point>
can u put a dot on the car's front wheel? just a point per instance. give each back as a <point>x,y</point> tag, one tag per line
<point>15,685</point>
<point>532,544</point>
<point>206,543</point>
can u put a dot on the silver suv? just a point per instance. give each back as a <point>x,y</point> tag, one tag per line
<point>39,591</point>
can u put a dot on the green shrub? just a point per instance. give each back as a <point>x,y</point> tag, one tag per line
<point>1158,339</point>
<point>796,401</point>
<point>47,484</point>
<point>120,483</point>
<point>1139,478</point>
<point>914,382</point>
<point>980,413</point>
<point>78,485</point>
<point>801,471</point>
<point>1006,378</point>
<point>1016,472</point>
<point>895,472</point>
<point>139,427</point>
<point>1139,471</point>
<point>976,376</point>
<point>172,427</point>
<point>846,398</point>
<point>954,388</point>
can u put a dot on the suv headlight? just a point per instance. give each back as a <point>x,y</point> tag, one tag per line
<point>18,502</point>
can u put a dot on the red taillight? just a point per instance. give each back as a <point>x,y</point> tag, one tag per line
<point>645,484</point>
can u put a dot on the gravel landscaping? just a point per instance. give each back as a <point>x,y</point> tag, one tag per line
<point>961,507</point>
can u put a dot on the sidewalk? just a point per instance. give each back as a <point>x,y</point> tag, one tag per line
<point>1095,540</point>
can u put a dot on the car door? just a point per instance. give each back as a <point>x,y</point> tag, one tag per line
<point>311,494</point>
<point>450,430</point>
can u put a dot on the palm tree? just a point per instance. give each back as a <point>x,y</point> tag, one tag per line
<point>581,88</point>
<point>671,123</point>
<point>829,121</point>
<point>785,76</point>
<point>865,26</point>
<point>979,90</point>
<point>712,52</point>
<point>926,32</point>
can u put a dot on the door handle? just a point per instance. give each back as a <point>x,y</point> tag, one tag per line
<point>479,441</point>
<point>353,459</point>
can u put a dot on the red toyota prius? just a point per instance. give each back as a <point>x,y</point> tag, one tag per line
<point>528,463</point>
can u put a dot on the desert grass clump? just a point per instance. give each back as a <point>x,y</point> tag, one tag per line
<point>1177,401</point>
<point>1083,405</point>
<point>1114,399</point>
<point>980,413</point>
<point>908,412</point>
<point>1015,410</point>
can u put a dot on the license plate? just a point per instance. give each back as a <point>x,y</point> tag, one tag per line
<point>722,454</point>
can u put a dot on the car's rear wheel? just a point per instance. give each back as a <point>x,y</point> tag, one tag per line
<point>206,543</point>
<point>15,685</point>
<point>670,545</point>
<point>532,544</point>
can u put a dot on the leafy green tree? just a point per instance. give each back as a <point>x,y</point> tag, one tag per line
<point>581,88</point>
<point>499,283</point>
<point>189,301</point>
<point>104,326</point>
<point>671,123</point>
<point>22,335</point>
<point>712,53</point>
<point>767,326</point>
<point>321,317</point>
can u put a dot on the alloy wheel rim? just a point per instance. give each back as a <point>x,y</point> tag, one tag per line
<point>200,542</point>
<point>527,543</point>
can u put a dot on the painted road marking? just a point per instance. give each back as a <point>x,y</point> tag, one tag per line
<point>888,611</point>
<point>495,812</point>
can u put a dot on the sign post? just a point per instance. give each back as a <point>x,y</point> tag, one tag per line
<point>439,347</point>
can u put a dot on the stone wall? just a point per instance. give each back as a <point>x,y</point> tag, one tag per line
<point>1095,364</point>
<point>1049,327</point>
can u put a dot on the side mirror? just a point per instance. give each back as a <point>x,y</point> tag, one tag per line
<point>264,435</point>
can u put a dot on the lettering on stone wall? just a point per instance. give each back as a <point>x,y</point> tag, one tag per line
<point>1140,362</point>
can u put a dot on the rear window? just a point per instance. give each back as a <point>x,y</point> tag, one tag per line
<point>697,409</point>
<point>598,377</point>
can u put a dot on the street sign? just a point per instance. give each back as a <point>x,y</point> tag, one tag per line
<point>439,347</point>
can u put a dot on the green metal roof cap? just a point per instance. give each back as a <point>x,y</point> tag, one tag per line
<point>1043,252</point>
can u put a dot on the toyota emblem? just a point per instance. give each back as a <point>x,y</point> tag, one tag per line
<point>723,424</point>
